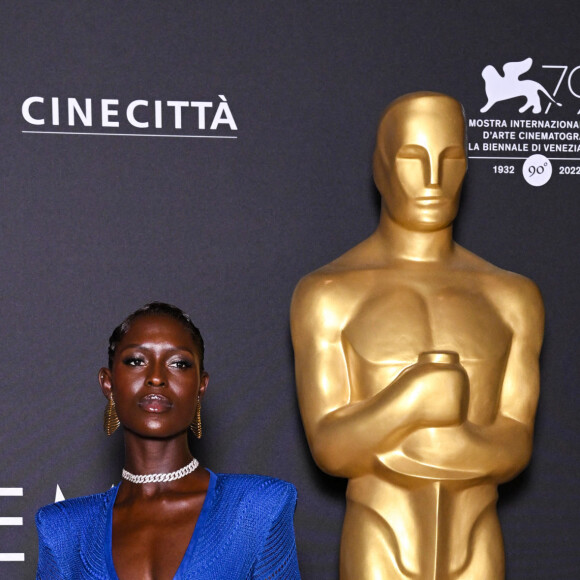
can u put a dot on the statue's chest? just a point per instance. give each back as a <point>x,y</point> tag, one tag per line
<point>397,320</point>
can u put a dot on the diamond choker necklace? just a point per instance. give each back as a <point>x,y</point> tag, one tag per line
<point>161,477</point>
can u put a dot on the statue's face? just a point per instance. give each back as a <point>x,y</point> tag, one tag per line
<point>420,162</point>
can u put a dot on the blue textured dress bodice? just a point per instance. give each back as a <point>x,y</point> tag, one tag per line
<point>244,531</point>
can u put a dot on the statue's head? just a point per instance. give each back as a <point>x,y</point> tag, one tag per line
<point>420,160</point>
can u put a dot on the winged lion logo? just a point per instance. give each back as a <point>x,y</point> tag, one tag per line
<point>510,86</point>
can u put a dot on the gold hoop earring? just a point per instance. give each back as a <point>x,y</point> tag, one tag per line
<point>196,423</point>
<point>111,422</point>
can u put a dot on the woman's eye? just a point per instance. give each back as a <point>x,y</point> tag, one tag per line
<point>180,364</point>
<point>133,361</point>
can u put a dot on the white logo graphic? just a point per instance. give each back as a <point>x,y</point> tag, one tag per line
<point>11,521</point>
<point>537,170</point>
<point>59,496</point>
<point>510,86</point>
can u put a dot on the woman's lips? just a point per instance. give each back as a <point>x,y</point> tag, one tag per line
<point>155,403</point>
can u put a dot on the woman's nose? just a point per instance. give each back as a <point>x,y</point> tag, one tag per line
<point>156,376</point>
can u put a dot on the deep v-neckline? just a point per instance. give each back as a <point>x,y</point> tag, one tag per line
<point>189,551</point>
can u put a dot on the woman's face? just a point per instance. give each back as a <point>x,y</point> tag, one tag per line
<point>156,379</point>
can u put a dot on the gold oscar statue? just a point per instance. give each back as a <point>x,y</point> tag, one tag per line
<point>417,367</point>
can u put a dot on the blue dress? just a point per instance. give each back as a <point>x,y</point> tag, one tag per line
<point>244,531</point>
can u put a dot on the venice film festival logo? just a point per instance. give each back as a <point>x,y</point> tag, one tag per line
<point>508,138</point>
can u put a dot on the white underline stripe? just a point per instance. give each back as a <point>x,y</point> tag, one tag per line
<point>11,491</point>
<point>12,557</point>
<point>550,158</point>
<point>133,135</point>
<point>477,157</point>
<point>10,521</point>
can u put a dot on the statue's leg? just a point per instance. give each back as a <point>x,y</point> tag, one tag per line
<point>486,558</point>
<point>369,549</point>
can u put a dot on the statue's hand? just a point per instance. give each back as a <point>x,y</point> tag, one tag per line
<point>435,390</point>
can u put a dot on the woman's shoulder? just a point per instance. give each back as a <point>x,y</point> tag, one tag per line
<point>260,485</point>
<point>71,536</point>
<point>254,493</point>
<point>78,510</point>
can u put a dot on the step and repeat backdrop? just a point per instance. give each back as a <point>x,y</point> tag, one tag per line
<point>210,155</point>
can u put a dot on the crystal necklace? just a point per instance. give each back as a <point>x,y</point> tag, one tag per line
<point>161,477</point>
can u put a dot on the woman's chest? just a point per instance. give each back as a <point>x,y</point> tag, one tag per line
<point>151,542</point>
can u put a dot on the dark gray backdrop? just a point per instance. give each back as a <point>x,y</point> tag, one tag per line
<point>94,226</point>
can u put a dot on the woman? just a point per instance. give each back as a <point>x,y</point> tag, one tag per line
<point>168,518</point>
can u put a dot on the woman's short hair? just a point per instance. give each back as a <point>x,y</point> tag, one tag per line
<point>157,309</point>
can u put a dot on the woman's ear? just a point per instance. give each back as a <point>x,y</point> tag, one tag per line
<point>105,381</point>
<point>203,384</point>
